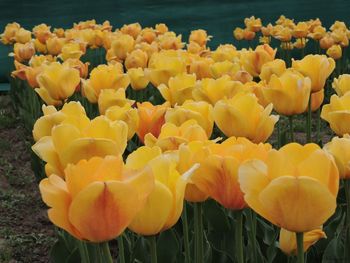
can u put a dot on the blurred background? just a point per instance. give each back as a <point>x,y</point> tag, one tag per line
<point>219,18</point>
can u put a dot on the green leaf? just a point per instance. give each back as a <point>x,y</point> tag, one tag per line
<point>167,247</point>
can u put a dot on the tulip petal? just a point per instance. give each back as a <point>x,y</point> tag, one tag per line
<point>294,203</point>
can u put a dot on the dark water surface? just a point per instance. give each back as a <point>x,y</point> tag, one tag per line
<point>217,17</point>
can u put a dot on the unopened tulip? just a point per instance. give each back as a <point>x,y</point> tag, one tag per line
<point>224,52</point>
<point>317,67</point>
<point>169,41</point>
<point>295,188</point>
<point>131,29</point>
<point>42,32</point>
<point>300,30</point>
<point>54,45</point>
<point>23,52</point>
<point>98,199</point>
<point>201,67</point>
<point>71,50</point>
<point>199,36</point>
<point>238,33</point>
<point>23,36</point>
<point>317,100</point>
<point>253,24</point>
<point>337,114</point>
<point>243,116</point>
<point>122,45</point>
<point>9,34</point>
<point>57,82</point>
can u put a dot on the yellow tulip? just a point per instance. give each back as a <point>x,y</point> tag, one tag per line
<point>161,28</point>
<point>111,97</point>
<point>195,48</point>
<point>163,66</point>
<point>57,82</point>
<point>150,49</point>
<point>190,154</point>
<point>317,67</point>
<point>225,52</point>
<point>40,47</point>
<point>138,79</point>
<point>151,118</point>
<point>127,114</point>
<point>334,52</point>
<point>218,69</point>
<point>72,50</point>
<point>248,35</point>
<point>70,142</point>
<point>172,136</point>
<point>326,41</point>
<point>147,35</point>
<point>199,36</point>
<point>165,203</point>
<point>178,89</point>
<point>23,52</point>
<point>295,188</point>
<point>9,34</point>
<point>284,34</point>
<point>201,67</point>
<point>243,116</point>
<point>288,242</point>
<point>267,30</point>
<point>258,90</point>
<point>77,64</point>
<point>71,112</point>
<point>217,174</point>
<point>337,114</point>
<point>136,59</point>
<point>200,111</point>
<point>131,29</point>
<point>54,45</point>
<point>341,85</point>
<point>317,33</point>
<point>238,33</point>
<point>253,24</point>
<point>213,90</point>
<point>169,41</point>
<point>98,199</point>
<point>300,43</point>
<point>252,61</point>
<point>23,36</point>
<point>104,77</point>
<point>339,149</point>
<point>301,30</point>
<point>122,45</point>
<point>42,32</point>
<point>288,93</point>
<point>276,66</point>
<point>59,32</point>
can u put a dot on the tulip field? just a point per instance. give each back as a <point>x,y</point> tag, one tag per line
<point>147,147</point>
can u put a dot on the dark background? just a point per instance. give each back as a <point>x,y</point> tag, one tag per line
<point>219,18</point>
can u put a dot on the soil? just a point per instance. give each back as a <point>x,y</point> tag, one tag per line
<point>26,234</point>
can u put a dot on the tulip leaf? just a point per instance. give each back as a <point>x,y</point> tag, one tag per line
<point>335,250</point>
<point>141,250</point>
<point>216,216</point>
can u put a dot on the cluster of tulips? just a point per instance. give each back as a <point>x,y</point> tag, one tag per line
<point>169,141</point>
<point>285,30</point>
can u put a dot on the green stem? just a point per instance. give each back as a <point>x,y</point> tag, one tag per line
<point>252,232</point>
<point>239,237</point>
<point>308,122</point>
<point>347,195</point>
<point>153,249</point>
<point>318,125</point>
<point>185,233</point>
<point>107,257</point>
<point>198,228</point>
<point>300,246</point>
<point>279,134</point>
<point>121,249</point>
<point>84,254</point>
<point>291,128</point>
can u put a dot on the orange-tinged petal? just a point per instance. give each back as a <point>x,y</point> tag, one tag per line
<point>103,210</point>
